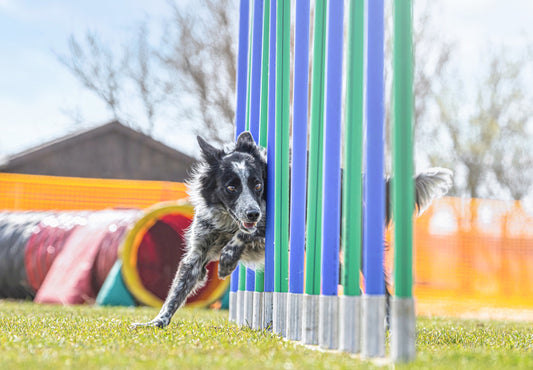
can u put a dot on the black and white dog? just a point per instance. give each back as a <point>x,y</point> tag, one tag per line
<point>227,191</point>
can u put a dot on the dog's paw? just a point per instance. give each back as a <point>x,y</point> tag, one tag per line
<point>157,322</point>
<point>226,265</point>
<point>224,271</point>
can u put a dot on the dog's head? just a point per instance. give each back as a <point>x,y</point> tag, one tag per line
<point>236,180</point>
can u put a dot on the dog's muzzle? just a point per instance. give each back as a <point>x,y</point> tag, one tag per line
<point>249,225</point>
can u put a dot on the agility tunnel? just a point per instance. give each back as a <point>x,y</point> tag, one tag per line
<point>118,256</point>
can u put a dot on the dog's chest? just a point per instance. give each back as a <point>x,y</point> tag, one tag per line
<point>254,252</point>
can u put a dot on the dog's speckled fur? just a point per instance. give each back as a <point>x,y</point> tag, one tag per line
<point>229,199</point>
<point>227,191</point>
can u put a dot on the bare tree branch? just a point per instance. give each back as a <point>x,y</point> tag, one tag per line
<point>97,68</point>
<point>202,54</point>
<point>191,76</point>
<point>142,70</point>
<point>492,143</point>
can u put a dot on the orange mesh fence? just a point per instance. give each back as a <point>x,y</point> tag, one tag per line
<point>31,192</point>
<point>474,257</point>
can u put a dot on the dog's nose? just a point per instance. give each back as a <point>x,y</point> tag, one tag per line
<point>253,215</point>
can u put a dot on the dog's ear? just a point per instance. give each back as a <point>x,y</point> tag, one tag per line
<point>246,143</point>
<point>210,153</point>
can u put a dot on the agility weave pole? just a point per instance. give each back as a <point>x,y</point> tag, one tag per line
<point>402,310</point>
<point>299,173</point>
<point>309,308</point>
<point>373,300</point>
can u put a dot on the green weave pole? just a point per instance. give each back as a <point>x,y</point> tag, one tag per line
<point>353,151</point>
<point>249,77</point>
<point>281,250</point>
<point>263,127</point>
<point>316,148</point>
<point>242,276</point>
<point>402,181</point>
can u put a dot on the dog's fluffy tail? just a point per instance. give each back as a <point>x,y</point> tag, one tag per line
<point>431,184</point>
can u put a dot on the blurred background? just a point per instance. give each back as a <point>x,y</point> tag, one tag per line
<point>120,89</point>
<point>167,69</point>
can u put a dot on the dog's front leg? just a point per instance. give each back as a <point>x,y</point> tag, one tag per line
<point>231,254</point>
<point>191,273</point>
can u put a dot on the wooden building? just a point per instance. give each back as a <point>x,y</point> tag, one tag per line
<point>112,151</point>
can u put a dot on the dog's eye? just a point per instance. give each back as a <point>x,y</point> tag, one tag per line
<point>258,186</point>
<point>231,189</point>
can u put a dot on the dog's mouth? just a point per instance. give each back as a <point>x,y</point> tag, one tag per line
<point>248,227</point>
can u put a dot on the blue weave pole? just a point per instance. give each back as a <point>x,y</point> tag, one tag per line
<point>240,126</point>
<point>255,85</point>
<point>332,151</point>
<point>374,215</point>
<point>269,239</point>
<point>242,68</point>
<point>234,285</point>
<point>331,194</point>
<point>299,148</point>
<point>299,171</point>
<point>373,301</point>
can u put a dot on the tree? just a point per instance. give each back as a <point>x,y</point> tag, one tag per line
<point>489,138</point>
<point>116,76</point>
<point>190,78</point>
<point>432,58</point>
<point>200,53</point>
<point>141,69</point>
<point>97,68</point>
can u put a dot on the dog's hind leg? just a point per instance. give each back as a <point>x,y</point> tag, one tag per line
<point>191,275</point>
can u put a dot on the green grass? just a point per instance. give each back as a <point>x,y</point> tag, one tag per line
<point>51,337</point>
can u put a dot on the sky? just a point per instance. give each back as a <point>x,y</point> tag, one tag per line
<point>38,94</point>
<point>36,91</point>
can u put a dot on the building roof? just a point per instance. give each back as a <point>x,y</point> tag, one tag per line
<point>91,134</point>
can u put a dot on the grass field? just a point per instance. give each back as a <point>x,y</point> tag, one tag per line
<point>84,337</point>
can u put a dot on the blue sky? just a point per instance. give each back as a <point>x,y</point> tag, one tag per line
<point>36,90</point>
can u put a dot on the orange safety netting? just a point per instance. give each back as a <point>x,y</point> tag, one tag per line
<point>32,192</point>
<point>473,257</point>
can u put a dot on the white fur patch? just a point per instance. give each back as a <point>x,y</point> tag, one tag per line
<point>241,169</point>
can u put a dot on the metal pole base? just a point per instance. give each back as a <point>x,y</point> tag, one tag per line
<point>350,324</point>
<point>268,305</point>
<point>257,317</point>
<point>294,316</point>
<point>248,308</point>
<point>373,325</point>
<point>310,319</point>
<point>328,328</point>
<point>403,329</point>
<point>240,307</point>
<point>233,306</point>
<point>280,314</point>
